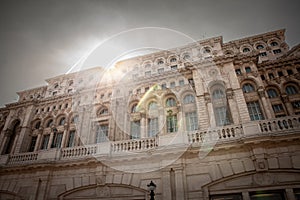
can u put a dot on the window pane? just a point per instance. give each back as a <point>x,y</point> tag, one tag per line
<point>172,124</point>
<point>57,138</point>
<point>32,144</point>
<point>45,141</point>
<point>290,90</point>
<point>188,99</point>
<point>222,116</point>
<point>170,102</point>
<point>255,111</point>
<point>135,128</point>
<point>152,127</point>
<point>191,121</point>
<point>71,140</point>
<point>102,133</point>
<point>272,93</point>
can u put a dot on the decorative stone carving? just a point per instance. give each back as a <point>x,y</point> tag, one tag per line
<point>263,179</point>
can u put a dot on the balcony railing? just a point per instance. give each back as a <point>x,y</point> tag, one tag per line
<point>280,124</point>
<point>232,133</point>
<point>22,158</point>
<point>216,134</point>
<point>134,145</point>
<point>79,151</point>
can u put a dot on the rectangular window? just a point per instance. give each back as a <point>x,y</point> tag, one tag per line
<point>54,93</point>
<point>173,67</point>
<point>138,91</point>
<point>71,139</point>
<point>191,81</point>
<point>135,130</point>
<point>222,116</point>
<point>57,138</point>
<point>152,127</point>
<point>280,73</point>
<point>146,89</point>
<point>254,111</point>
<point>238,71</point>
<point>266,195</point>
<point>290,72</point>
<point>191,121</point>
<point>247,69</point>
<point>296,104</point>
<point>227,197</point>
<point>172,124</point>
<point>262,77</point>
<point>263,54</point>
<point>277,51</point>
<point>271,76</point>
<point>148,73</point>
<point>277,108</point>
<point>32,144</point>
<point>160,70</point>
<point>102,133</point>
<point>181,82</point>
<point>163,86</point>
<point>45,141</point>
<point>172,84</point>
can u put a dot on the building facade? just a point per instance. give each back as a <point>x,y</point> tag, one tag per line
<point>209,120</point>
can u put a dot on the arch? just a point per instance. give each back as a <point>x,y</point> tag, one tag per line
<point>188,99</point>
<point>170,102</point>
<point>49,122</point>
<point>272,92</point>
<point>102,111</point>
<point>36,124</point>
<point>61,120</point>
<point>291,88</point>
<point>104,191</point>
<point>248,87</point>
<point>13,131</point>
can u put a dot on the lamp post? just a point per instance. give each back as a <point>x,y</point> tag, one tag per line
<point>151,187</point>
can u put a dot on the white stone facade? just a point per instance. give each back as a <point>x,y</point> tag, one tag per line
<point>209,120</point>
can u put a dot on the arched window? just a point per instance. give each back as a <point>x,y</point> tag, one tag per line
<point>171,102</point>
<point>220,106</point>
<point>206,50</point>
<point>290,90</point>
<point>173,60</point>
<point>134,108</point>
<point>37,125</point>
<point>152,105</point>
<point>160,62</point>
<point>62,121</point>
<point>273,44</point>
<point>11,138</point>
<point>186,57</point>
<point>103,111</point>
<point>272,93</point>
<point>49,123</point>
<point>248,88</point>
<point>218,94</point>
<point>188,99</point>
<point>259,46</point>
<point>75,119</point>
<point>246,49</point>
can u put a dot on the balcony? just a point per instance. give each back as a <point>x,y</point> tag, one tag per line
<point>242,133</point>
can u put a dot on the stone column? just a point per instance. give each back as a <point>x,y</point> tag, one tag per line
<point>265,104</point>
<point>143,127</point>
<point>288,105</point>
<point>64,138</point>
<point>202,111</point>
<point>180,193</point>
<point>166,194</point>
<point>38,140</point>
<point>50,140</point>
<point>246,196</point>
<point>290,194</point>
<point>234,112</point>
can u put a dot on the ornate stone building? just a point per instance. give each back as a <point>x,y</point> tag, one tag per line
<point>209,120</point>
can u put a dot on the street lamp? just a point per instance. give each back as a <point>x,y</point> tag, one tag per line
<point>151,187</point>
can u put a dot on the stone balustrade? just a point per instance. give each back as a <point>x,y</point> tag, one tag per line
<point>134,145</point>
<point>216,134</point>
<point>253,129</point>
<point>280,124</point>
<point>22,158</point>
<point>79,151</point>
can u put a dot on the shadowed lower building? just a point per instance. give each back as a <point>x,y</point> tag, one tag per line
<point>209,120</point>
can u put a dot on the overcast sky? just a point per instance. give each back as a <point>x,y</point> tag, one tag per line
<point>42,39</point>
